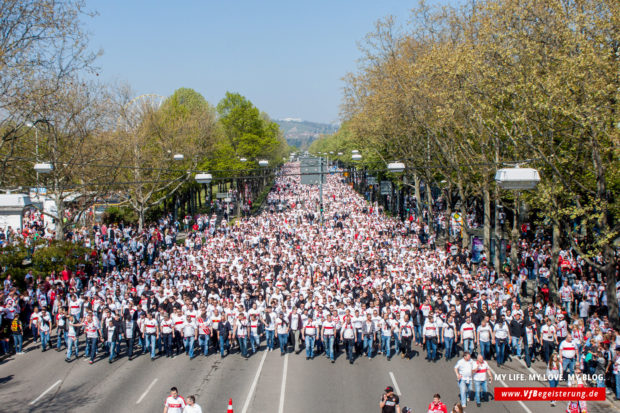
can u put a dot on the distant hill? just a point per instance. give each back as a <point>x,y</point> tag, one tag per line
<point>301,133</point>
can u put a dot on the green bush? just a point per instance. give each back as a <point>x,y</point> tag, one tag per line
<point>116,215</point>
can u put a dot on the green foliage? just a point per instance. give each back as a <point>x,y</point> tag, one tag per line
<point>117,215</point>
<point>57,254</point>
<point>17,260</point>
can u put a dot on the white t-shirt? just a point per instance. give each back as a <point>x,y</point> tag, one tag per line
<point>192,409</point>
<point>465,369</point>
<point>175,405</point>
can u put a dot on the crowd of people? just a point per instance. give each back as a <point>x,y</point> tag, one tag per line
<point>352,281</point>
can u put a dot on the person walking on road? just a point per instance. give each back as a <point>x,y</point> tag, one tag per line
<point>463,371</point>
<point>192,406</point>
<point>174,403</point>
<point>481,370</point>
<point>437,406</point>
<point>389,401</point>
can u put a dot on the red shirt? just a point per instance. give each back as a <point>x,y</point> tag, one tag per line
<point>439,407</point>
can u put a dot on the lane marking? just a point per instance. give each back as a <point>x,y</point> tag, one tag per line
<point>254,382</point>
<point>148,389</point>
<point>395,384</point>
<point>283,387</point>
<point>49,389</point>
<point>527,409</point>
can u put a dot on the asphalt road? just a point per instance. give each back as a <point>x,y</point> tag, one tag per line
<point>266,383</point>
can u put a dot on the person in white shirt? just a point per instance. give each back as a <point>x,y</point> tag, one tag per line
<point>174,403</point>
<point>308,335</point>
<point>569,352</point>
<point>328,330</point>
<point>192,406</point>
<point>430,332</point>
<point>190,333</point>
<point>481,370</point>
<point>464,371</point>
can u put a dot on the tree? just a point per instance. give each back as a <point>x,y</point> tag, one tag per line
<point>43,48</point>
<point>152,132</point>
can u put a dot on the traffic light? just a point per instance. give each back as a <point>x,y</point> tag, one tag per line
<point>321,207</point>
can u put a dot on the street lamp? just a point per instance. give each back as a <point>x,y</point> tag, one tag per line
<point>204,178</point>
<point>243,160</point>
<point>396,167</point>
<point>356,157</point>
<point>43,168</point>
<point>178,157</point>
<point>263,163</point>
<point>517,178</point>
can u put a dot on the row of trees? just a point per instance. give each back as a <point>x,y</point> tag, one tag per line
<point>457,93</point>
<point>101,139</point>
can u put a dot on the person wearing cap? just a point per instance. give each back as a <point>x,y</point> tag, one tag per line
<point>389,401</point>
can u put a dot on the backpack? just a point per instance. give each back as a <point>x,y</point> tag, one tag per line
<point>15,325</point>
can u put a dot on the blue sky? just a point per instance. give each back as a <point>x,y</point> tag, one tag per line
<point>287,57</point>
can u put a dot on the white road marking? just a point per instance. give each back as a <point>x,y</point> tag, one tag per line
<point>527,409</point>
<point>49,389</point>
<point>283,387</point>
<point>253,386</point>
<point>395,384</point>
<point>148,389</point>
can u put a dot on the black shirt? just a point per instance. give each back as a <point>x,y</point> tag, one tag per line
<point>390,404</point>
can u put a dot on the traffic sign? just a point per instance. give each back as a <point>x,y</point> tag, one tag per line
<point>386,188</point>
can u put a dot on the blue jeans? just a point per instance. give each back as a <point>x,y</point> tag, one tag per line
<point>203,340</point>
<point>617,385</point>
<point>223,345</point>
<point>329,346</point>
<point>72,343</point>
<point>485,349</point>
<point>465,389</point>
<point>368,344</point>
<point>283,341</point>
<point>468,345</point>
<point>568,365</point>
<point>149,343</point>
<point>255,342</point>
<point>396,343</point>
<point>516,346</point>
<point>348,344</point>
<point>188,343</point>
<point>35,333</point>
<point>91,348</point>
<point>385,345</point>
<point>418,334</point>
<point>500,351</point>
<point>431,348</point>
<point>18,342</point>
<point>449,343</point>
<point>62,335</point>
<point>112,349</point>
<point>167,341</point>
<point>45,340</point>
<point>480,386</point>
<point>310,346</point>
<point>243,345</point>
<point>269,335</point>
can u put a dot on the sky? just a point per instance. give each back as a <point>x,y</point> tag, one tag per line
<point>287,57</point>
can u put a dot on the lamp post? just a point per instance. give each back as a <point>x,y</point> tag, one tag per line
<point>397,168</point>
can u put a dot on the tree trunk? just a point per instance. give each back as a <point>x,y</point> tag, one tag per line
<point>141,213</point>
<point>514,237</point>
<point>610,275</point>
<point>555,253</point>
<point>418,200</point>
<point>486,196</point>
